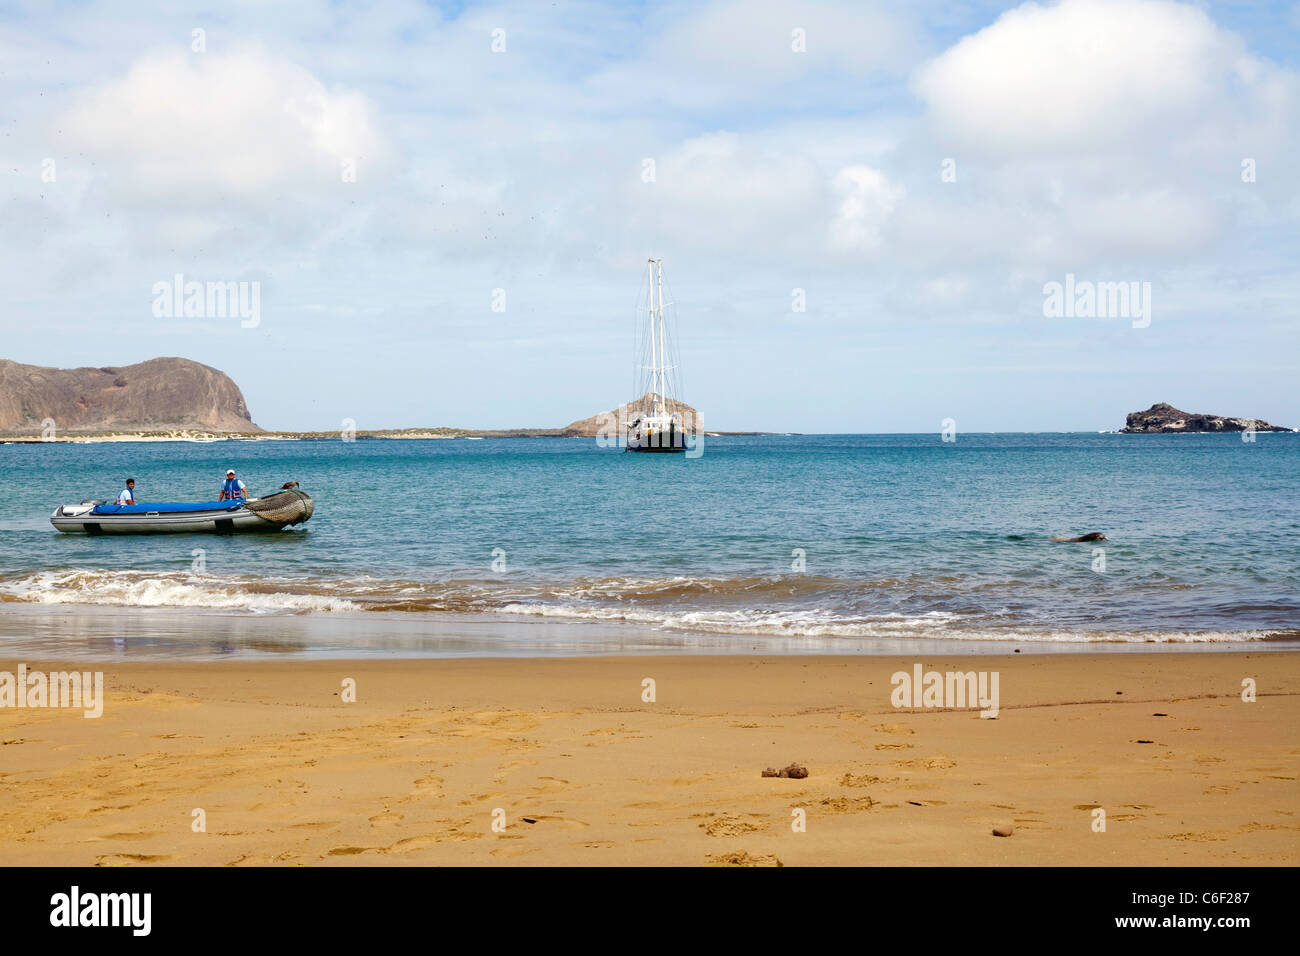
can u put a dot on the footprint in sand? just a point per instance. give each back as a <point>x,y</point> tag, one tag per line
<point>462,835</point>
<point>428,785</point>
<point>561,823</point>
<point>728,826</point>
<point>1029,823</point>
<point>491,724</point>
<point>410,844</point>
<point>742,858</point>
<point>895,729</point>
<point>1249,827</point>
<point>506,769</point>
<point>124,859</point>
<point>927,763</point>
<point>893,746</point>
<point>847,804</point>
<point>549,785</point>
<point>260,859</point>
<point>864,780</point>
<point>507,851</point>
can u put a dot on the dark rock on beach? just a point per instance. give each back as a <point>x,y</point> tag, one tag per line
<point>794,771</point>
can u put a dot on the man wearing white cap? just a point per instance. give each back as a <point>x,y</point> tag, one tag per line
<point>233,488</point>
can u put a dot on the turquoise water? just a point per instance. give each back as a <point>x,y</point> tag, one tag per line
<point>831,537</point>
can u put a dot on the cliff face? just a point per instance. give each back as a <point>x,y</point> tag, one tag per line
<point>1162,417</point>
<point>590,427</point>
<point>157,394</point>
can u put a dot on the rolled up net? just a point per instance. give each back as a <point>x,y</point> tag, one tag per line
<point>283,507</point>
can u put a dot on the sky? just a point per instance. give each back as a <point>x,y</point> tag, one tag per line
<point>446,209</point>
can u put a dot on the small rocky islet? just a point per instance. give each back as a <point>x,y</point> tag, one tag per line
<point>1163,418</point>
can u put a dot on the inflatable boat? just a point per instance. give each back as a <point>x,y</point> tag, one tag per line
<point>280,510</point>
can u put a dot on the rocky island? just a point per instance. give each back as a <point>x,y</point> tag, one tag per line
<point>160,395</point>
<point>591,427</point>
<point>1164,418</point>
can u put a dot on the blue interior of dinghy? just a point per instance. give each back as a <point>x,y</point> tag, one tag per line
<point>166,508</point>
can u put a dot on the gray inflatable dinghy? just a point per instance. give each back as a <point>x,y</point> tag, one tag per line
<point>280,510</point>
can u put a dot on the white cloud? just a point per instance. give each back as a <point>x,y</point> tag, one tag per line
<point>223,124</point>
<point>1097,131</point>
<point>866,198</point>
<point>1082,74</point>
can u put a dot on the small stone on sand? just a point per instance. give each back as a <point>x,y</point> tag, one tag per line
<point>1003,830</point>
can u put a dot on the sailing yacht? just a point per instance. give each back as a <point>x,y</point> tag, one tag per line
<point>657,421</point>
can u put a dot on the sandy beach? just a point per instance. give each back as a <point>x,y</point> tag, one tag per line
<point>578,769</point>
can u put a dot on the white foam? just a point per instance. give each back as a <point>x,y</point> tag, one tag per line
<point>931,625</point>
<point>165,589</point>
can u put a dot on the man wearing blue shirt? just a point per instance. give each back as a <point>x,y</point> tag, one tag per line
<point>127,497</point>
<point>233,488</point>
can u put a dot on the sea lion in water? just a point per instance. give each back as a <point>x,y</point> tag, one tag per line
<point>1090,536</point>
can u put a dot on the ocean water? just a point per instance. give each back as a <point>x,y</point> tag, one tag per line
<point>830,539</point>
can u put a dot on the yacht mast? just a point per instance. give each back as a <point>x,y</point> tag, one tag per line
<point>654,361</point>
<point>660,398</point>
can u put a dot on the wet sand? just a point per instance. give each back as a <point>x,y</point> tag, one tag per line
<point>580,770</point>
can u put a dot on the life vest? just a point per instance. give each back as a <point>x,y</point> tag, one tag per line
<point>233,488</point>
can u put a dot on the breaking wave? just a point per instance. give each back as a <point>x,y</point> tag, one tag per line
<point>167,589</point>
<point>942,607</point>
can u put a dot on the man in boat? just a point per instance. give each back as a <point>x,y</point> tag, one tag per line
<point>127,497</point>
<point>233,489</point>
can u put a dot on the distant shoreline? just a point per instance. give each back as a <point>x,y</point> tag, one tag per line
<point>201,437</point>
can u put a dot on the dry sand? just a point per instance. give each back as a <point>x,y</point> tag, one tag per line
<point>411,773</point>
